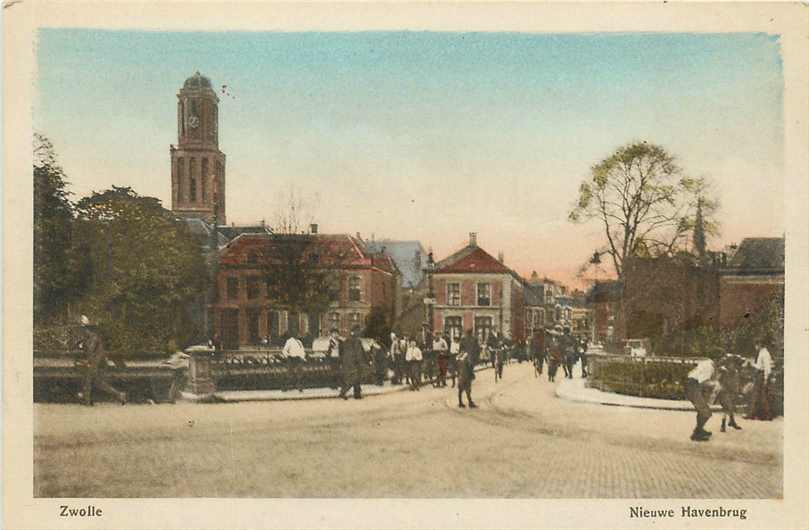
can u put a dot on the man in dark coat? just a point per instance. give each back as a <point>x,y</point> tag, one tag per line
<point>538,350</point>
<point>467,358</point>
<point>380,362</point>
<point>91,344</point>
<point>492,344</point>
<point>569,352</point>
<point>729,367</point>
<point>352,363</point>
<point>470,344</point>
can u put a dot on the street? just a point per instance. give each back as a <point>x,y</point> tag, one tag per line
<point>523,441</point>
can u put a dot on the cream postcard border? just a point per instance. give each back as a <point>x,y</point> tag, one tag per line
<point>22,17</point>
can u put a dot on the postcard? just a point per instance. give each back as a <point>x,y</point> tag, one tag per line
<point>405,265</point>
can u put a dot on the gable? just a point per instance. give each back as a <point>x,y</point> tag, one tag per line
<point>471,260</point>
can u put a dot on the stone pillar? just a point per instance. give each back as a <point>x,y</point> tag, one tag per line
<point>200,376</point>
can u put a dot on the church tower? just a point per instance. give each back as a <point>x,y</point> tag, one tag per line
<point>197,164</point>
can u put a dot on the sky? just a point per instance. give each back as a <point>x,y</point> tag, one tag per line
<point>426,135</point>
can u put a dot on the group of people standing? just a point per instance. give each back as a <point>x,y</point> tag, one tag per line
<point>555,350</point>
<point>435,357</point>
<point>718,381</point>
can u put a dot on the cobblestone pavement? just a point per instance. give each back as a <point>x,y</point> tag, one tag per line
<point>521,442</point>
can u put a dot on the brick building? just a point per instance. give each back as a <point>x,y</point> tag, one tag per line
<point>752,278</point>
<point>473,290</point>
<point>244,314</point>
<point>667,294</point>
<point>534,299</point>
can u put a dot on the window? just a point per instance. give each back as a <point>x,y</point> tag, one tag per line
<point>453,294</point>
<point>354,292</point>
<point>253,289</point>
<point>453,326</point>
<point>253,317</point>
<point>355,320</point>
<point>192,180</point>
<point>334,294</point>
<point>252,258</point>
<point>314,258</point>
<point>273,324</point>
<point>539,318</point>
<point>484,294</point>
<point>334,321</point>
<point>483,327</point>
<point>204,180</point>
<point>180,178</point>
<point>233,288</point>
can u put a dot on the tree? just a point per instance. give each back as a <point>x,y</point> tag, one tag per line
<point>301,272</point>
<point>378,325</point>
<point>145,270</point>
<point>301,269</point>
<point>644,202</point>
<point>55,281</point>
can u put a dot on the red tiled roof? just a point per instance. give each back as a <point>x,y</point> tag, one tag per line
<point>471,260</point>
<point>332,250</point>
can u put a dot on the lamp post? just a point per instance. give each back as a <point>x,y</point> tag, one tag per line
<point>430,291</point>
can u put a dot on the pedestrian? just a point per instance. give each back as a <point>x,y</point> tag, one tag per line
<point>294,355</point>
<point>556,358</point>
<point>499,360</point>
<point>95,373</point>
<point>454,350</point>
<point>414,358</point>
<point>729,383</point>
<point>569,352</point>
<point>700,387</point>
<point>380,364</point>
<point>492,343</point>
<point>394,359</point>
<point>760,400</point>
<point>404,367</point>
<point>468,352</point>
<point>538,351</point>
<point>352,364</point>
<point>441,350</point>
<point>583,357</point>
<point>334,355</point>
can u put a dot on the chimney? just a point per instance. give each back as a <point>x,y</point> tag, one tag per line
<point>358,236</point>
<point>500,256</point>
<point>263,223</point>
<point>313,228</point>
<point>417,259</point>
<point>473,239</point>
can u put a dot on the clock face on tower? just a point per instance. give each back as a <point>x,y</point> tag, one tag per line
<point>193,122</point>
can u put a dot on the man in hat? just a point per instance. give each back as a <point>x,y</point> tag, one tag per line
<point>760,402</point>
<point>538,351</point>
<point>414,357</point>
<point>295,356</point>
<point>467,358</point>
<point>352,364</point>
<point>91,344</point>
<point>425,344</point>
<point>440,349</point>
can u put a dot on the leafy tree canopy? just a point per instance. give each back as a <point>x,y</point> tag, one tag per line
<point>145,270</point>
<point>645,203</point>
<point>55,283</point>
